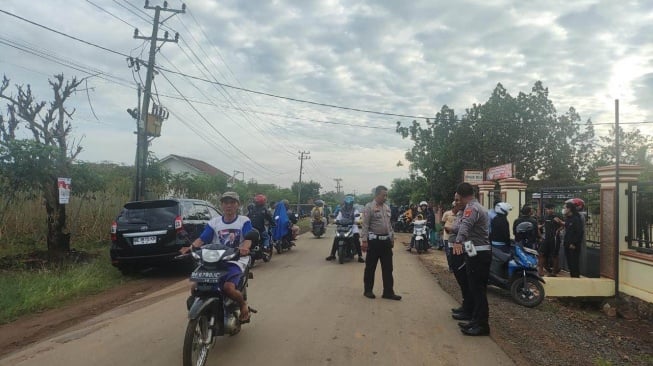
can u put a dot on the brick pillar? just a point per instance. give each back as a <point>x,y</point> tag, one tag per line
<point>513,191</point>
<point>607,176</point>
<point>484,189</point>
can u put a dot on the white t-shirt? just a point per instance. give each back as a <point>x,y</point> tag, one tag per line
<point>231,234</point>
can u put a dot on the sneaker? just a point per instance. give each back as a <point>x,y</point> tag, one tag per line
<point>330,258</point>
<point>361,260</point>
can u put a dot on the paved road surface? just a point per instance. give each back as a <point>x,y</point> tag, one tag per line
<point>311,312</point>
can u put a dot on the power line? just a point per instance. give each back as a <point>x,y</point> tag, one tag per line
<point>241,88</point>
<point>292,99</point>
<point>213,127</point>
<point>106,11</point>
<point>63,34</point>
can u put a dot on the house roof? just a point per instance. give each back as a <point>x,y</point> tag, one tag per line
<point>198,165</point>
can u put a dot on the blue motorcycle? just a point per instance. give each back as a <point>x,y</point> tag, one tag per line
<point>517,272</point>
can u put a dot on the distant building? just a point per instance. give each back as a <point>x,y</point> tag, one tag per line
<point>181,164</point>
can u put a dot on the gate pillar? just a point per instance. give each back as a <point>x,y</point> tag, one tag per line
<point>611,215</point>
<point>484,189</point>
<point>513,191</point>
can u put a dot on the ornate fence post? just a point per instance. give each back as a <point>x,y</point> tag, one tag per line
<point>513,191</point>
<point>614,218</point>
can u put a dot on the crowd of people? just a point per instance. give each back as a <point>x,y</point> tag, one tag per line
<point>467,232</point>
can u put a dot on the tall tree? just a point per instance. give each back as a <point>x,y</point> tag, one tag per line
<point>37,158</point>
<point>310,190</point>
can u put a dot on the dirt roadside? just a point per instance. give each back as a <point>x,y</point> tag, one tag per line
<point>32,328</point>
<point>558,331</point>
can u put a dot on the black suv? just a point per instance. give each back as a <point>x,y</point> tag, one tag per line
<point>148,233</point>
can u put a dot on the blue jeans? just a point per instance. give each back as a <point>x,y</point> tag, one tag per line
<point>265,239</point>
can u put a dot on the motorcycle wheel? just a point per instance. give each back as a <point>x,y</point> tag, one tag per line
<point>527,291</point>
<point>267,255</point>
<point>341,255</point>
<point>196,344</point>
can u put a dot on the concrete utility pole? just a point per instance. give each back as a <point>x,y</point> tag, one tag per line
<point>338,186</point>
<point>232,180</point>
<point>141,146</point>
<point>303,155</point>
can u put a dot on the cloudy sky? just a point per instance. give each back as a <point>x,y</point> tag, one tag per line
<point>396,57</point>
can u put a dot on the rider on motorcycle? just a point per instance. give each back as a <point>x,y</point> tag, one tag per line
<point>422,215</point>
<point>499,227</point>
<point>259,215</point>
<point>235,231</point>
<point>347,215</point>
<point>317,213</point>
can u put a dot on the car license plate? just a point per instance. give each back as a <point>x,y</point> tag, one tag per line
<point>139,240</point>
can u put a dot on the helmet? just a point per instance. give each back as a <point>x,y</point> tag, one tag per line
<point>286,203</point>
<point>579,203</point>
<point>349,200</point>
<point>423,203</point>
<point>260,199</point>
<point>503,208</point>
<point>319,203</point>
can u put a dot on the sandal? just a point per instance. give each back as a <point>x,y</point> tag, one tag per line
<point>247,319</point>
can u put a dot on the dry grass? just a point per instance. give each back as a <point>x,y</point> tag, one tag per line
<point>89,218</point>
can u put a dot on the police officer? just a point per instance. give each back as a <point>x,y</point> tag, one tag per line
<point>472,238</point>
<point>457,263</point>
<point>378,240</point>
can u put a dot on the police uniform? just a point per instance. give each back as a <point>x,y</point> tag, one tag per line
<point>378,231</point>
<point>473,228</point>
<point>457,265</point>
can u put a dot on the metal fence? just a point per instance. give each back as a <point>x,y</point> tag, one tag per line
<point>591,195</point>
<point>640,216</point>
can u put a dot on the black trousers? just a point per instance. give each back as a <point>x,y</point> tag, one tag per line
<point>478,273</point>
<point>379,250</point>
<point>573,260</point>
<point>461,277</point>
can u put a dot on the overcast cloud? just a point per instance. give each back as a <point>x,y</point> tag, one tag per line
<point>401,57</point>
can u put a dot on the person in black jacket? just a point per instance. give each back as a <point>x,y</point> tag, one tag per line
<point>573,238</point>
<point>261,218</point>
<point>500,228</point>
<point>529,239</point>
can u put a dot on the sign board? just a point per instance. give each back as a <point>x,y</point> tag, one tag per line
<point>473,176</point>
<point>64,190</point>
<point>500,172</point>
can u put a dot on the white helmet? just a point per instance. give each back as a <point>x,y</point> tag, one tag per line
<point>503,208</point>
<point>423,203</point>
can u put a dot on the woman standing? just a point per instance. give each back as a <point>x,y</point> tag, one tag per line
<point>573,238</point>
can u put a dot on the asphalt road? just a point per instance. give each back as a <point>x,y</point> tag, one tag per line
<point>311,312</point>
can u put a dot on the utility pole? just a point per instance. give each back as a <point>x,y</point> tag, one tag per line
<point>232,180</point>
<point>303,155</point>
<point>141,146</point>
<point>338,186</point>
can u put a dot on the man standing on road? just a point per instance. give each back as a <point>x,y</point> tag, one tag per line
<point>378,240</point>
<point>473,239</point>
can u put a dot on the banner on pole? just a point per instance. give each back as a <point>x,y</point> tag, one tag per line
<point>64,190</point>
<point>500,172</point>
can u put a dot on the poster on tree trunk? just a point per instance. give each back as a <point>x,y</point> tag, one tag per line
<point>64,190</point>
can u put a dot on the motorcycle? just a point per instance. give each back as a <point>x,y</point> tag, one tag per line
<point>318,228</point>
<point>420,236</point>
<point>211,314</point>
<point>345,241</point>
<point>403,224</point>
<point>260,251</point>
<point>517,272</point>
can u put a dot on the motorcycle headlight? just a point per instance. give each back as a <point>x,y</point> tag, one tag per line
<point>211,255</point>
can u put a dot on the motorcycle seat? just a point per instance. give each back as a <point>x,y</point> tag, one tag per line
<point>501,256</point>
